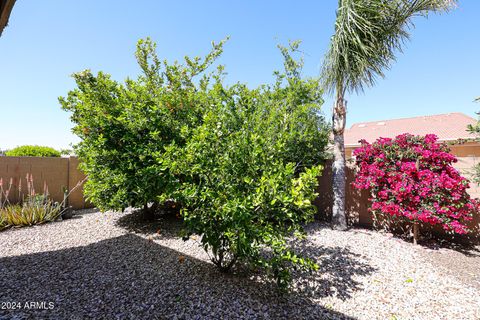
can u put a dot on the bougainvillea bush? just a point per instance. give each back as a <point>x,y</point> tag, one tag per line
<point>412,177</point>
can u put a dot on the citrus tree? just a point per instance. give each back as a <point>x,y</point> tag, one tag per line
<point>241,163</point>
<point>251,168</point>
<point>125,127</point>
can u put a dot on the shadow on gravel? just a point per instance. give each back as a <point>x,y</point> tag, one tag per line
<point>336,276</point>
<point>338,266</point>
<point>452,257</point>
<point>164,226</point>
<point>129,277</point>
<point>82,212</point>
<point>467,249</point>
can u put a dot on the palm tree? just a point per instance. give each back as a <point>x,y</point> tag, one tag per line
<point>368,34</point>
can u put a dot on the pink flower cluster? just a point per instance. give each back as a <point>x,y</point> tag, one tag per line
<point>413,177</point>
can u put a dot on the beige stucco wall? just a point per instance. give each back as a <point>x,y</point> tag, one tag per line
<point>60,173</point>
<point>57,173</point>
<point>75,176</point>
<point>467,149</point>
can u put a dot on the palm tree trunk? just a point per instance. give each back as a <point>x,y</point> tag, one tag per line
<point>339,220</point>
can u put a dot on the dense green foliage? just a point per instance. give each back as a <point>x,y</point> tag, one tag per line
<point>32,151</point>
<point>125,128</point>
<point>251,169</point>
<point>242,163</point>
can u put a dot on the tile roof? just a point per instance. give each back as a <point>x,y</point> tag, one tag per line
<point>447,127</point>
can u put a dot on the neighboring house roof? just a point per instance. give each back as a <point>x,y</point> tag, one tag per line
<point>6,7</point>
<point>448,127</point>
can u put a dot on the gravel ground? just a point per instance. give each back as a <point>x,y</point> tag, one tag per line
<point>461,262</point>
<point>111,266</point>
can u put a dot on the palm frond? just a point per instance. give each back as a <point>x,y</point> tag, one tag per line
<point>368,34</point>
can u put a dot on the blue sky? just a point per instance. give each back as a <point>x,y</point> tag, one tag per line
<point>46,41</point>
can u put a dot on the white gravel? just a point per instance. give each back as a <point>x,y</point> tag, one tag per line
<point>111,266</point>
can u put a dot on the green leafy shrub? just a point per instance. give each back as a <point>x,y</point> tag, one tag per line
<point>125,128</point>
<point>241,163</point>
<point>250,171</point>
<point>33,151</point>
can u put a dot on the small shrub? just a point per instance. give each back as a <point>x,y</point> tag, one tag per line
<point>412,178</point>
<point>33,151</point>
<point>34,208</point>
<point>29,213</point>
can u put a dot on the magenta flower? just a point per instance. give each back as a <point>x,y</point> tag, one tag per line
<point>413,177</point>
